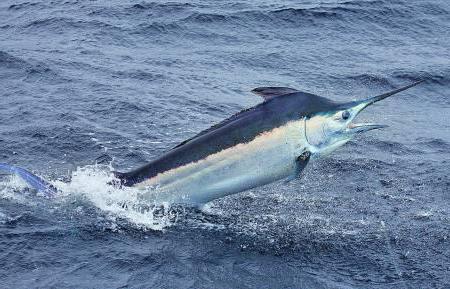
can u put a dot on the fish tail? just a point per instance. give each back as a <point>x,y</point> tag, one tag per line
<point>31,179</point>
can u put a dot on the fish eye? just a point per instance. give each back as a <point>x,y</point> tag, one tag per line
<point>345,115</point>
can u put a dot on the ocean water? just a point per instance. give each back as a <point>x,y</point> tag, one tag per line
<point>124,81</point>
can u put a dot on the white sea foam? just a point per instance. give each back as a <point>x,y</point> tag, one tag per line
<point>94,184</point>
<point>10,186</point>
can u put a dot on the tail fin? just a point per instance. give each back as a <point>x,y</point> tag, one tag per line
<point>34,181</point>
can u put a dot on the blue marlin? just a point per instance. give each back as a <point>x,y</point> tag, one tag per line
<point>271,141</point>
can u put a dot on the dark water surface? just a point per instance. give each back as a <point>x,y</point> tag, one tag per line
<point>130,79</point>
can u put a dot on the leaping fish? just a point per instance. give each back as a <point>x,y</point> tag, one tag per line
<point>271,141</point>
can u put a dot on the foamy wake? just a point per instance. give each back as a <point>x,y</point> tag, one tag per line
<point>93,184</point>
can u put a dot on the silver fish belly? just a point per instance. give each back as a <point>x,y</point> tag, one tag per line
<point>267,158</point>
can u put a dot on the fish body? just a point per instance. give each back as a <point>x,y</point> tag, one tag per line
<point>252,148</point>
<point>269,157</point>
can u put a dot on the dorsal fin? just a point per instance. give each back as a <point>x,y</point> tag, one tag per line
<point>270,92</point>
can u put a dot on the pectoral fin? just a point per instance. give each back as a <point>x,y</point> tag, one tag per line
<point>300,164</point>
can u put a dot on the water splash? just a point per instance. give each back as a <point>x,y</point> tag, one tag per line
<point>10,188</point>
<point>95,184</point>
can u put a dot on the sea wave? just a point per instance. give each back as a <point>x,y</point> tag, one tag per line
<point>30,70</point>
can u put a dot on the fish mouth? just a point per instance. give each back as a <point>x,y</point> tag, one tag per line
<point>354,128</point>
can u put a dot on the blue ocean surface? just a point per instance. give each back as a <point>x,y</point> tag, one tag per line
<point>126,80</point>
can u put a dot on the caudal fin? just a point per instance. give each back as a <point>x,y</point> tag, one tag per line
<point>34,181</point>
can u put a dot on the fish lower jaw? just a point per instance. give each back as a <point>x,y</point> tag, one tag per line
<point>353,128</point>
